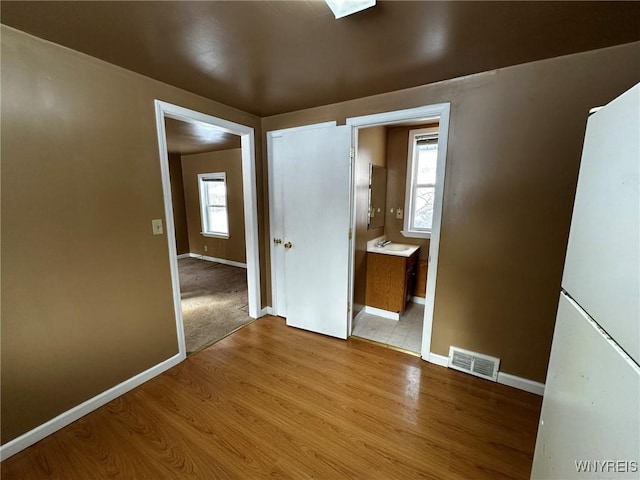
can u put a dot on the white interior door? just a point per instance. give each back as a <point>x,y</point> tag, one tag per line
<point>277,166</point>
<point>316,204</point>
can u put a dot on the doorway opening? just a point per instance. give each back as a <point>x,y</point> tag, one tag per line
<point>313,189</point>
<point>399,171</point>
<point>208,179</point>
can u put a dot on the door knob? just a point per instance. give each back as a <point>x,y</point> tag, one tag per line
<point>277,241</point>
<point>288,245</point>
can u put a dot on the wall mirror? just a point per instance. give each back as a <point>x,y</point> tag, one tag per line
<point>377,196</point>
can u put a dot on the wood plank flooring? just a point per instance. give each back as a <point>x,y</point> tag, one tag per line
<point>271,401</point>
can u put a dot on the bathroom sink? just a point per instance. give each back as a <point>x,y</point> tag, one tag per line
<point>396,247</point>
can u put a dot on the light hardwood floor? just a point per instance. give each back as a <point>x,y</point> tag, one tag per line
<point>276,402</point>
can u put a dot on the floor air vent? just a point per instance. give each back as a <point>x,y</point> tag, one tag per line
<point>477,364</point>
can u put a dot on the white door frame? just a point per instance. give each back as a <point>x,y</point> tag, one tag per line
<point>271,135</point>
<point>168,110</point>
<point>426,112</point>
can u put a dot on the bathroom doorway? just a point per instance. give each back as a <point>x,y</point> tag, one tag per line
<point>397,230</point>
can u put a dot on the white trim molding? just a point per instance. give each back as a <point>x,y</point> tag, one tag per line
<point>27,439</point>
<point>381,313</point>
<point>224,261</point>
<point>419,300</point>
<point>503,378</point>
<point>267,311</point>
<point>438,359</point>
<point>183,255</point>
<point>521,383</point>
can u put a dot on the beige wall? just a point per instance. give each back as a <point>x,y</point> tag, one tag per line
<point>515,139</point>
<point>86,287</point>
<point>372,149</point>
<point>230,162</point>
<point>177,199</point>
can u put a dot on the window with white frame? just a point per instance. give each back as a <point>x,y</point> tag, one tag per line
<point>422,164</point>
<point>213,204</point>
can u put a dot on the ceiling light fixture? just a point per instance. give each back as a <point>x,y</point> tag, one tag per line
<point>342,8</point>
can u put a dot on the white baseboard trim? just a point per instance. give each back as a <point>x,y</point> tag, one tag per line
<point>419,300</point>
<point>233,263</point>
<point>438,359</point>
<point>27,439</point>
<point>381,313</point>
<point>503,378</point>
<point>266,311</point>
<point>183,255</point>
<point>521,383</point>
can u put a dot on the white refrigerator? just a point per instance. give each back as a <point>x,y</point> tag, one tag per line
<point>590,420</point>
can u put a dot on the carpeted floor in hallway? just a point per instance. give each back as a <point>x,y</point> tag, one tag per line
<point>214,301</point>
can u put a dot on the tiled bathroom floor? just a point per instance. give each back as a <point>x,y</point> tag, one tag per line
<point>405,333</point>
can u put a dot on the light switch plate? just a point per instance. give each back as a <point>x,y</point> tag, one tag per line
<point>156,225</point>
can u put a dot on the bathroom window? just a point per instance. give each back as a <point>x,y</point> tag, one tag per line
<point>421,182</point>
<point>213,204</point>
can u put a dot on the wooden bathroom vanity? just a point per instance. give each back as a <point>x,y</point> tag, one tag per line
<point>391,278</point>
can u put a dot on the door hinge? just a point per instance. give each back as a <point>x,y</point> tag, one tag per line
<point>348,307</point>
<point>352,153</point>
<point>350,234</point>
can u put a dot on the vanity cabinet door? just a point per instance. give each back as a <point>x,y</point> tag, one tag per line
<point>385,282</point>
<point>390,281</point>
